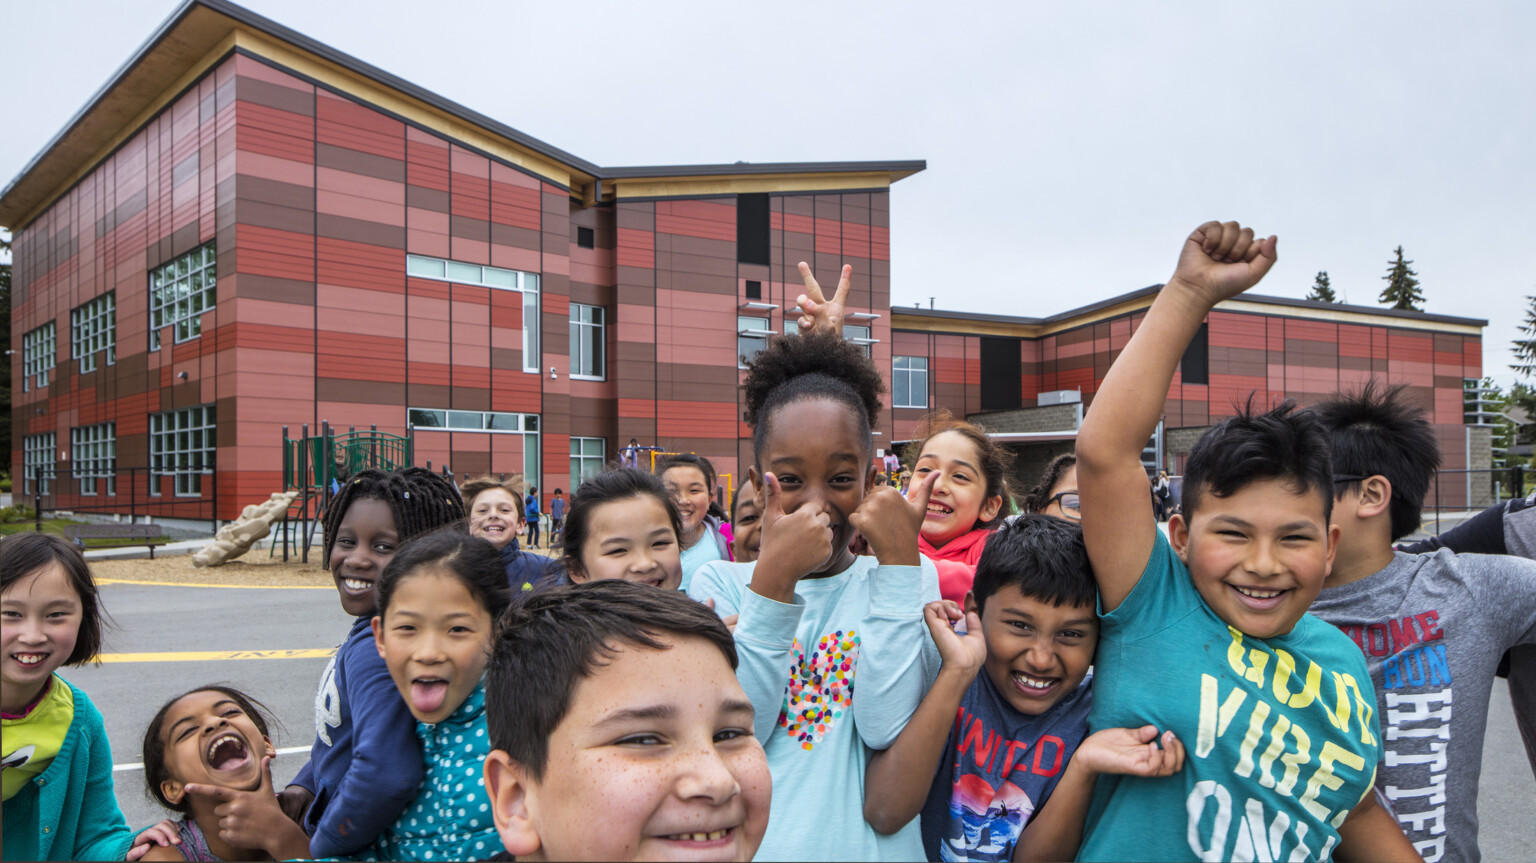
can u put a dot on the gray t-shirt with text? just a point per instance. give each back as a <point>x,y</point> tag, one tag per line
<point>1432,627</point>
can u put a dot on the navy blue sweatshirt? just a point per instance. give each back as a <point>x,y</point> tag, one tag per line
<point>366,765</point>
<point>526,570</point>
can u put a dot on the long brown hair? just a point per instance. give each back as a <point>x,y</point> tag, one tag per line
<point>993,459</point>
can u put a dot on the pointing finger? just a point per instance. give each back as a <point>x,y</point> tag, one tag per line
<point>211,791</point>
<point>923,491</point>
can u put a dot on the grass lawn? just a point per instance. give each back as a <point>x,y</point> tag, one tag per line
<point>57,525</point>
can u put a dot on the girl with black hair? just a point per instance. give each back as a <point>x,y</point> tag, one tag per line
<point>623,524</point>
<point>364,768</point>
<point>849,629</point>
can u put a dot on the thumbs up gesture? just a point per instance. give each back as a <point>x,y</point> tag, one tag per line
<point>890,522</point>
<point>795,544</point>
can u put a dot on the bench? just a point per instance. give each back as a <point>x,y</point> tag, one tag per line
<point>149,535</point>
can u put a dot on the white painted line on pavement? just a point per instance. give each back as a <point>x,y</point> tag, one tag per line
<point>139,765</point>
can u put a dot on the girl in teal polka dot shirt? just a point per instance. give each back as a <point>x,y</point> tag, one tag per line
<point>438,601</point>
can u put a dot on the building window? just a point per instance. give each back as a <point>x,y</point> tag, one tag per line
<point>909,382</point>
<point>94,450</point>
<point>751,336</point>
<point>181,445</point>
<point>497,278</point>
<point>752,229</point>
<point>859,336</point>
<point>39,452</point>
<point>93,332</point>
<point>1195,365</point>
<point>587,342</point>
<point>494,422</point>
<point>587,457</point>
<point>586,238</point>
<point>180,292</point>
<point>38,348</point>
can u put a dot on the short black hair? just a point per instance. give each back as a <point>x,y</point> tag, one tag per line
<point>419,500</point>
<point>470,559</point>
<point>1043,557</point>
<point>22,554</point>
<point>154,748</point>
<point>554,637</point>
<point>1375,431</point>
<point>614,484</point>
<point>1281,443</point>
<point>812,365</point>
<point>1039,497</point>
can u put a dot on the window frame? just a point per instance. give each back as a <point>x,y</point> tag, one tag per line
<point>39,450</point>
<point>758,334</point>
<point>599,343</point>
<point>99,443</point>
<point>497,279</point>
<point>92,330</point>
<point>185,463</point>
<point>581,462</point>
<point>40,347</point>
<point>908,374</point>
<point>187,286</point>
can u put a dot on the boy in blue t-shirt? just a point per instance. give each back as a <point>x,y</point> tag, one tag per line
<point>984,752</point>
<point>1206,632</point>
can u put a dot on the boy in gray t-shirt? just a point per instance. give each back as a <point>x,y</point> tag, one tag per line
<point>1432,626</point>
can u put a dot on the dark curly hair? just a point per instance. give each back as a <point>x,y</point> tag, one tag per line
<point>1040,495</point>
<point>992,458</point>
<point>812,365</point>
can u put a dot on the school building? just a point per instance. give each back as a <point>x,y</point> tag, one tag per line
<point>246,230</point>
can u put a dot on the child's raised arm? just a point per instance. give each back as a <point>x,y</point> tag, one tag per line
<point>897,780</point>
<point>1056,831</point>
<point>1219,260</point>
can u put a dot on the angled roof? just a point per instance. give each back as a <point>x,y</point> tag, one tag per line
<point>200,33</point>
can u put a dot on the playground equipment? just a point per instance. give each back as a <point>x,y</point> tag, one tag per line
<point>235,538</point>
<point>314,468</point>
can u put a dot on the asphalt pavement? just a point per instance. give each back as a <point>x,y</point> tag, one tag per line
<point>271,642</point>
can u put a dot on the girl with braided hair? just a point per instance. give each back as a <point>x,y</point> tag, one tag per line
<point>366,765</point>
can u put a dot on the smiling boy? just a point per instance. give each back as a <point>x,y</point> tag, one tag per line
<point>985,751</point>
<point>620,731</point>
<point>1206,632</point>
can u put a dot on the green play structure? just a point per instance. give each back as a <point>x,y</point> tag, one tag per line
<point>315,466</point>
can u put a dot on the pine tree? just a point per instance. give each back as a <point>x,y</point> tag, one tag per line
<point>1402,290</point>
<point>1525,349</point>
<point>1322,290</point>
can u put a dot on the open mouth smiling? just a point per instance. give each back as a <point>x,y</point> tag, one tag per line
<point>228,752</point>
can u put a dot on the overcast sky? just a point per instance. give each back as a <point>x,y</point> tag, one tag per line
<point>1070,146</point>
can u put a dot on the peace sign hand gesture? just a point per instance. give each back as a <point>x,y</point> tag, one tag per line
<point>817,313</point>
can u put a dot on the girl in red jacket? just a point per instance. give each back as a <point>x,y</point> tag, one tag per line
<point>970,497</point>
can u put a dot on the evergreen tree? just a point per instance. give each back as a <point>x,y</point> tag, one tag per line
<point>1402,290</point>
<point>1525,349</point>
<point>1322,290</point>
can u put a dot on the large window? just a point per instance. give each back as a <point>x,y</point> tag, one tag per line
<point>909,382</point>
<point>180,292</point>
<point>752,334</point>
<point>181,445</point>
<point>39,452</point>
<point>94,451</point>
<point>38,348</point>
<point>587,458</point>
<point>587,342</point>
<point>497,278</point>
<point>93,332</point>
<point>527,425</point>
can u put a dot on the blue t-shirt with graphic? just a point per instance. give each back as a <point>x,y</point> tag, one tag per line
<point>1280,734</point>
<point>999,768</point>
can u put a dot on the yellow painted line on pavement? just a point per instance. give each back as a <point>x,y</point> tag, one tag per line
<point>205,584</point>
<point>216,655</point>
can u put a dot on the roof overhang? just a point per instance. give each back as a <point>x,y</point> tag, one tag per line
<point>201,33</point>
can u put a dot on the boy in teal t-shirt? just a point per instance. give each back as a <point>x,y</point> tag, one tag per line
<point>1205,633</point>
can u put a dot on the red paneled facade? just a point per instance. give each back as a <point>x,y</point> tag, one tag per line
<point>377,251</point>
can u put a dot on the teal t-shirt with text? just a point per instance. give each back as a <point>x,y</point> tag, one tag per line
<point>1281,736</point>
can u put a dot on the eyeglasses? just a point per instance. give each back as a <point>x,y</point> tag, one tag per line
<point>1069,502</point>
<point>1348,477</point>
